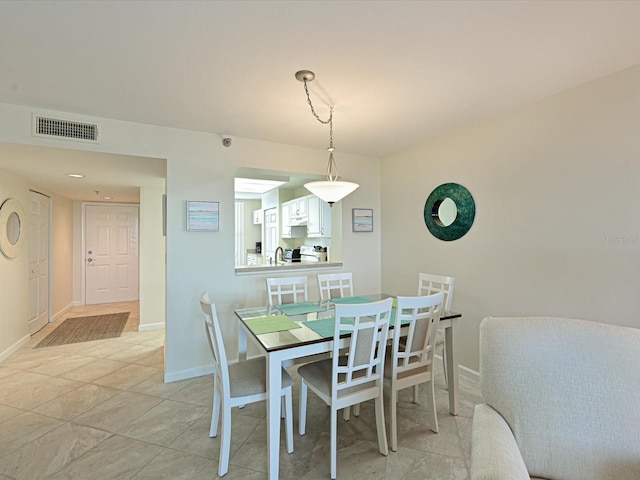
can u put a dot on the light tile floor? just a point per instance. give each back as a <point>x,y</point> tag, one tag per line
<point>100,410</point>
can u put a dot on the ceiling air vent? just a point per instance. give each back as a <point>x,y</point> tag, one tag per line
<point>58,128</point>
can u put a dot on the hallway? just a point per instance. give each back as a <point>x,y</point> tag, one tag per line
<point>87,310</point>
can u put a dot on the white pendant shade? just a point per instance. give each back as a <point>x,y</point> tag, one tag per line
<point>331,191</point>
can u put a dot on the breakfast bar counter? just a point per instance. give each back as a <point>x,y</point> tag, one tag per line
<point>283,267</point>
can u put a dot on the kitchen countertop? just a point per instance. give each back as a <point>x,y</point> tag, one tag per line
<point>285,267</point>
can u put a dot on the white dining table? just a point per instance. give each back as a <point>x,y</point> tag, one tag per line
<point>282,347</point>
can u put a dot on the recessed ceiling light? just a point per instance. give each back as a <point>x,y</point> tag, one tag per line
<point>75,175</point>
<point>108,198</point>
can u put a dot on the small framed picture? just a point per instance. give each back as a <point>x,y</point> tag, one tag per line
<point>362,219</point>
<point>203,216</point>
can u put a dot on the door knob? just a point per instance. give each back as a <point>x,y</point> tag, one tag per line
<point>89,260</point>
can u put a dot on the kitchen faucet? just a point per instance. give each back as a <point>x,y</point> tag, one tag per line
<point>275,255</point>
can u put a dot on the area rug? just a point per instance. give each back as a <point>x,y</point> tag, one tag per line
<point>85,329</point>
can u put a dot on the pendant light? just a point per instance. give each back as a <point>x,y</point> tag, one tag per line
<point>332,189</point>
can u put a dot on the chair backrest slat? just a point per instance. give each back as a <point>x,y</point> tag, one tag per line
<point>287,290</point>
<point>421,315</point>
<point>335,285</point>
<point>428,284</point>
<point>368,324</point>
<point>214,335</point>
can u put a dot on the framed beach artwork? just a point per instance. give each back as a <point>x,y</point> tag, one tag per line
<point>362,219</point>
<point>203,216</point>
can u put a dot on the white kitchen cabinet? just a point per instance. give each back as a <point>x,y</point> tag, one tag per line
<point>298,211</point>
<point>254,259</point>
<point>257,217</point>
<point>285,215</point>
<point>318,218</point>
<point>289,230</point>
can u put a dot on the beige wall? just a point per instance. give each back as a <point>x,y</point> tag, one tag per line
<point>200,168</point>
<point>152,260</point>
<point>14,277</point>
<point>557,228</point>
<point>61,255</point>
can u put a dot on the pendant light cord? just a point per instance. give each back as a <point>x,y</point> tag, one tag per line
<point>306,90</point>
<point>332,168</point>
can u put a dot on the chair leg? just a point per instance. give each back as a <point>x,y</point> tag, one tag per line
<point>382,432</point>
<point>334,442</point>
<point>288,419</point>
<point>302,421</point>
<point>215,411</point>
<point>431,407</point>
<point>225,440</point>
<point>416,394</point>
<point>347,410</point>
<point>444,366</point>
<point>394,418</point>
<point>283,407</point>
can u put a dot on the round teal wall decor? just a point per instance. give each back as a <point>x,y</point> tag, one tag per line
<point>445,225</point>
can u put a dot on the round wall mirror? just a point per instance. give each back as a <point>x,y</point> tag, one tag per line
<point>11,228</point>
<point>449,211</point>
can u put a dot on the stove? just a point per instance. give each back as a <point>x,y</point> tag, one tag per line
<point>309,254</point>
<point>291,255</point>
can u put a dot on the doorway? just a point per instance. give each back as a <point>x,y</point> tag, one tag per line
<point>111,253</point>
<point>270,232</point>
<point>39,253</point>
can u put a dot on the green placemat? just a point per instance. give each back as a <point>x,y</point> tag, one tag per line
<point>273,323</point>
<point>324,326</point>
<point>351,300</point>
<point>299,308</point>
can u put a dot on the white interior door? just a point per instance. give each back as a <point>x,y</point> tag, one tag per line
<point>38,261</point>
<point>111,253</point>
<point>270,232</point>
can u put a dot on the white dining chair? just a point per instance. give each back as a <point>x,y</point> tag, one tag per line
<point>409,362</point>
<point>282,290</point>
<point>428,284</point>
<point>335,285</point>
<point>237,384</point>
<point>354,375</point>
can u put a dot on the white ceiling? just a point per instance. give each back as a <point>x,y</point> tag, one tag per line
<point>397,72</point>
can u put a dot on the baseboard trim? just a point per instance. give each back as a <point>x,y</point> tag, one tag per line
<point>185,374</point>
<point>61,312</point>
<point>151,326</point>
<point>464,371</point>
<point>470,374</point>
<point>78,303</point>
<point>13,348</point>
